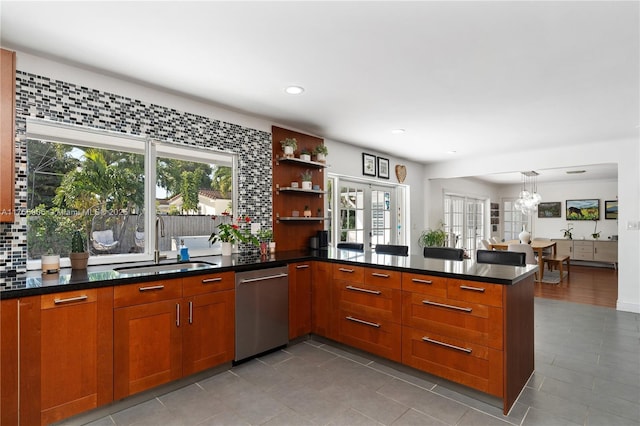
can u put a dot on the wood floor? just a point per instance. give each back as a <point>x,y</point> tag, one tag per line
<point>586,284</point>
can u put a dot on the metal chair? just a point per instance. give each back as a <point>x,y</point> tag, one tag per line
<point>351,246</point>
<point>392,249</point>
<point>447,253</point>
<point>501,257</point>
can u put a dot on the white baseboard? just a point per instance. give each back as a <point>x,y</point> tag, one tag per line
<point>628,307</point>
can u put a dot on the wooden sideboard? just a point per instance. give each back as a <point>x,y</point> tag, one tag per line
<point>591,251</point>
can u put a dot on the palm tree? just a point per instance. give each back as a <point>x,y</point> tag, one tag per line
<point>222,179</point>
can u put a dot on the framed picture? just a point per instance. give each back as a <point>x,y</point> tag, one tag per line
<point>588,209</point>
<point>383,168</point>
<point>368,164</point>
<point>611,209</point>
<point>550,209</point>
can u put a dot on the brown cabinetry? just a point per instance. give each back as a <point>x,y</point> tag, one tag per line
<point>289,231</point>
<point>368,307</point>
<point>9,362</point>
<point>160,336</point>
<point>458,330</point>
<point>66,354</point>
<point>322,318</point>
<point>300,276</point>
<point>7,134</point>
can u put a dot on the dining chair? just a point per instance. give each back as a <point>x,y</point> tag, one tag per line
<point>392,249</point>
<point>493,240</point>
<point>447,253</point>
<point>351,246</point>
<point>501,257</point>
<point>485,244</point>
<point>530,256</point>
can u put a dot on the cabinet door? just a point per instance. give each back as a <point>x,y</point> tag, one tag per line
<point>564,248</point>
<point>9,365</point>
<point>605,251</point>
<point>7,134</point>
<point>208,331</point>
<point>323,322</point>
<point>76,352</point>
<point>299,299</point>
<point>147,346</point>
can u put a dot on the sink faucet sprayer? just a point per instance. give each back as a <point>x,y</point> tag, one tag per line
<point>159,233</point>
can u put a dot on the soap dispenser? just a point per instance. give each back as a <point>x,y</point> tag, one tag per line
<point>184,252</point>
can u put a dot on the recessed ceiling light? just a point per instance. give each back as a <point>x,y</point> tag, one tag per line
<point>397,131</point>
<point>451,152</point>
<point>294,90</point>
<point>575,172</point>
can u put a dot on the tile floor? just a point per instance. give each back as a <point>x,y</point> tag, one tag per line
<point>587,373</point>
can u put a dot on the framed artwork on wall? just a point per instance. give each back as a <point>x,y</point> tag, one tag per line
<point>383,168</point>
<point>550,209</point>
<point>587,209</point>
<point>368,164</point>
<point>611,209</point>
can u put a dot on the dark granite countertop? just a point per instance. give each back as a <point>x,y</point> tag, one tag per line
<point>35,283</point>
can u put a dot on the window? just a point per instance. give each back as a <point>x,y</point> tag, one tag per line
<point>366,213</point>
<point>464,220</point>
<point>513,220</point>
<point>104,184</point>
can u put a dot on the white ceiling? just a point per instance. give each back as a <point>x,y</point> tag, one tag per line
<point>470,77</point>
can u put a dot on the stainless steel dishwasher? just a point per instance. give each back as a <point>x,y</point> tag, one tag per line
<point>262,311</point>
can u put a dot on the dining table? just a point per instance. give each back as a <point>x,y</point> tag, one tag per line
<point>538,246</point>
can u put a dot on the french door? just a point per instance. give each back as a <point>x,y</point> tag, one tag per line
<point>464,219</point>
<point>367,214</point>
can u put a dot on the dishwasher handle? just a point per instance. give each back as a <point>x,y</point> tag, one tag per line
<point>268,277</point>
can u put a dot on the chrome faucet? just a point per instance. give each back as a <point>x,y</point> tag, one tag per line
<point>159,233</point>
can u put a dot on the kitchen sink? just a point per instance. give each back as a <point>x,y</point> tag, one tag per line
<point>165,268</point>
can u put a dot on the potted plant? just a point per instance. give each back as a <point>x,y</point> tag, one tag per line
<point>567,232</point>
<point>321,152</point>
<point>433,237</point>
<point>288,146</point>
<point>79,255</point>
<point>264,235</point>
<point>306,179</point>
<point>305,155</point>
<point>595,234</point>
<point>306,212</point>
<point>231,233</point>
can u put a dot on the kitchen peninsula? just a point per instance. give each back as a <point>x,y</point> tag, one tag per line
<point>469,323</point>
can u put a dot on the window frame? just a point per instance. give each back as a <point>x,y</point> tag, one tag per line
<point>51,131</point>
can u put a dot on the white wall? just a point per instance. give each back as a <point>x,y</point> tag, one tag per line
<point>625,153</point>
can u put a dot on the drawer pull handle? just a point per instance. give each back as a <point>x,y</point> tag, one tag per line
<point>151,287</point>
<point>447,345</point>
<point>177,315</point>
<point>70,299</point>
<point>190,312</point>
<point>478,289</point>
<point>211,280</point>
<point>351,271</point>
<point>442,305</point>
<point>265,278</point>
<point>363,290</point>
<point>416,280</point>
<point>302,266</point>
<point>359,321</point>
<point>377,274</point>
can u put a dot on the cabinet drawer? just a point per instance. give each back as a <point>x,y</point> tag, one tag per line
<point>424,284</point>
<point>382,277</point>
<point>55,300</point>
<point>153,291</point>
<point>469,364</point>
<point>348,273</point>
<point>378,302</point>
<point>472,322</point>
<point>370,333</point>
<point>474,291</point>
<point>201,284</point>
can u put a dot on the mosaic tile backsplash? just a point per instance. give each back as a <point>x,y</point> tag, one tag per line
<point>41,97</point>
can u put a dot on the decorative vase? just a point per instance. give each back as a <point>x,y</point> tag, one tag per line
<point>524,235</point>
<point>263,249</point>
<point>288,151</point>
<point>305,157</point>
<point>307,213</point>
<point>226,249</point>
<point>272,247</point>
<point>321,158</point>
<point>306,184</point>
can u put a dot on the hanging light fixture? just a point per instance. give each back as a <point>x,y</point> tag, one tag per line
<point>528,198</point>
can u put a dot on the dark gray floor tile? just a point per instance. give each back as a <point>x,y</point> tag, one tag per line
<point>478,418</point>
<point>225,418</point>
<point>276,357</point>
<point>192,404</point>
<point>576,378</point>
<point>288,418</point>
<point>599,418</point>
<point>145,413</point>
<point>536,417</point>
<point>415,418</point>
<point>404,376</point>
<point>349,417</point>
<point>627,392</point>
<point>571,411</point>
<point>105,421</point>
